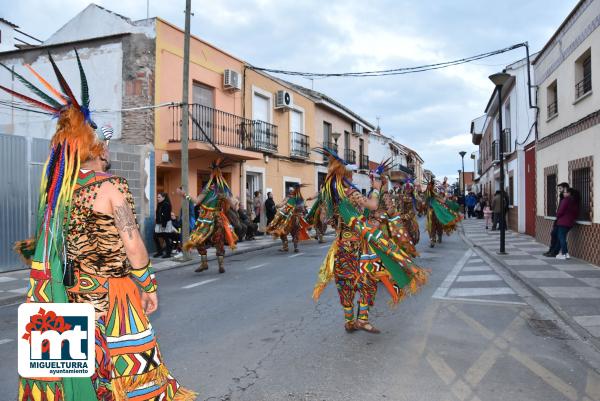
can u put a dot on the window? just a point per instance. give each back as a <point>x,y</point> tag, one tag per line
<point>511,190</point>
<point>552,99</point>
<point>202,109</point>
<point>326,132</point>
<point>260,107</point>
<point>582,181</point>
<point>297,121</point>
<point>583,74</point>
<point>551,195</point>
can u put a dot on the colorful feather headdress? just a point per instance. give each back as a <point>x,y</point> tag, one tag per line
<point>73,143</point>
<point>382,168</point>
<point>216,186</point>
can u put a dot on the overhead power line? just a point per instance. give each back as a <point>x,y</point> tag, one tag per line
<point>393,71</point>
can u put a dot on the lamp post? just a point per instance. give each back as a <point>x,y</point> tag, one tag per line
<point>499,79</point>
<point>462,154</point>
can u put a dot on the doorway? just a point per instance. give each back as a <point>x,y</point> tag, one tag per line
<point>530,206</point>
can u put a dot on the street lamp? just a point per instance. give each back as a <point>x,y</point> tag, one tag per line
<point>462,154</point>
<point>500,80</point>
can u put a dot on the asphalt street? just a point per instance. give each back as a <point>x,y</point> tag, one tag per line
<point>255,334</point>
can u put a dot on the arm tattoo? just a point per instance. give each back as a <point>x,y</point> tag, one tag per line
<point>124,220</point>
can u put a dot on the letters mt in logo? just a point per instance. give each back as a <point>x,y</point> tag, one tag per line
<point>53,337</point>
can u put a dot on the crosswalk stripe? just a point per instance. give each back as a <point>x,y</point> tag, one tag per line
<point>471,278</point>
<point>296,254</point>
<point>477,292</point>
<point>5,341</point>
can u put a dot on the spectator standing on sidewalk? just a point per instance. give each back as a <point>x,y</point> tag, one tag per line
<point>487,214</point>
<point>471,201</point>
<point>497,209</point>
<point>163,226</point>
<point>554,242</point>
<point>256,205</point>
<point>270,208</point>
<point>566,215</point>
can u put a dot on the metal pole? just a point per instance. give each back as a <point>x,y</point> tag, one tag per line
<point>463,189</point>
<point>185,218</point>
<point>501,158</point>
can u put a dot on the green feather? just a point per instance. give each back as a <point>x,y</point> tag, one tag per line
<point>85,94</point>
<point>34,89</point>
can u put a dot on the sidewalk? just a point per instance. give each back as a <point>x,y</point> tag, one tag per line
<point>14,284</point>
<point>570,287</point>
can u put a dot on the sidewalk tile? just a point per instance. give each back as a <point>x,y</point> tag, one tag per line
<point>572,292</point>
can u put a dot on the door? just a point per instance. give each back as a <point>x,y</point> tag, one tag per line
<point>530,206</point>
<point>261,116</point>
<point>299,145</point>
<point>202,111</point>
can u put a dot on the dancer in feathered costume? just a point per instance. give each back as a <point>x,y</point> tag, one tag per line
<point>87,248</point>
<point>289,219</point>
<point>407,204</point>
<point>387,217</point>
<point>212,226</point>
<point>441,216</point>
<point>317,218</point>
<point>361,255</point>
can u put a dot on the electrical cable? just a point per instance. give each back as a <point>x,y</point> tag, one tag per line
<point>394,71</point>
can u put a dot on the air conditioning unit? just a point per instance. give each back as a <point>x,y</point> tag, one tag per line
<point>357,129</point>
<point>232,80</point>
<point>283,100</point>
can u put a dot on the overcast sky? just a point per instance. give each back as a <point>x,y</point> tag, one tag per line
<point>429,112</point>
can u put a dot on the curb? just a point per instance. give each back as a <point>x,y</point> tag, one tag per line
<point>20,297</point>
<point>566,318</point>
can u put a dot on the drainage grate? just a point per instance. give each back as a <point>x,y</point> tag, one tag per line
<point>547,328</point>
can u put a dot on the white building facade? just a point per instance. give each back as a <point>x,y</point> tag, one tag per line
<point>568,145</point>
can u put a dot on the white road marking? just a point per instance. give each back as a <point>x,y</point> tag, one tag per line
<point>199,283</point>
<point>257,266</point>
<point>296,254</point>
<point>478,292</point>
<point>471,278</point>
<point>324,246</point>
<point>443,288</point>
<point>5,340</point>
<point>481,268</point>
<point>6,279</point>
<point>22,290</point>
<point>483,301</point>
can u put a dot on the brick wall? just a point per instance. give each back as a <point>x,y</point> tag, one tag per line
<point>129,161</point>
<point>139,58</point>
<point>583,239</point>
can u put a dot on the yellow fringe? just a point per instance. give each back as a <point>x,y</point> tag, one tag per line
<point>325,272</point>
<point>183,394</point>
<point>122,385</point>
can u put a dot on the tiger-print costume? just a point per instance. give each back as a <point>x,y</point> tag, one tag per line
<point>125,369</point>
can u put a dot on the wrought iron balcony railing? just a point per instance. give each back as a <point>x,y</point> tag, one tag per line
<point>364,162</point>
<point>299,145</point>
<point>221,128</point>
<point>329,145</point>
<point>584,86</point>
<point>350,156</point>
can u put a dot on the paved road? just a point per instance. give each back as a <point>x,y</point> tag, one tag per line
<point>254,334</point>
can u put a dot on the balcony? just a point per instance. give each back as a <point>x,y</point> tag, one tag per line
<point>506,145</point>
<point>329,145</point>
<point>364,162</point>
<point>219,128</point>
<point>350,156</point>
<point>299,145</point>
<point>582,87</point>
<point>479,167</point>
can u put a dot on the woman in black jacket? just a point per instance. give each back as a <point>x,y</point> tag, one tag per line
<point>163,226</point>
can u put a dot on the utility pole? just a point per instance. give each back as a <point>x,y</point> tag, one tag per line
<point>185,119</point>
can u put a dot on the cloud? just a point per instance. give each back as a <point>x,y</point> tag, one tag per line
<point>429,112</point>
